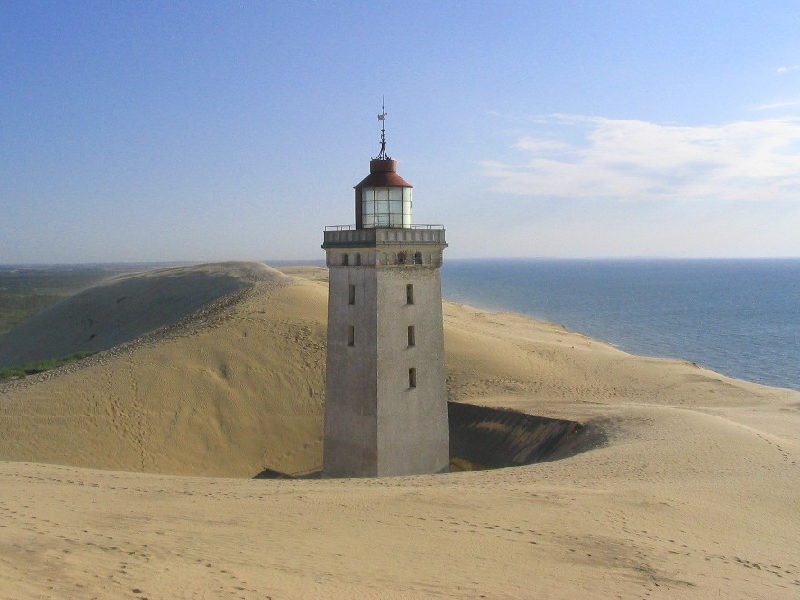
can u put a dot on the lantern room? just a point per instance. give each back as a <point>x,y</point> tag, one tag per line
<point>383,198</point>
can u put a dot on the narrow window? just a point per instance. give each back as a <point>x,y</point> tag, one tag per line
<point>417,258</point>
<point>358,259</point>
<point>351,336</point>
<point>345,259</point>
<point>352,295</point>
<point>411,335</point>
<point>409,293</point>
<point>412,378</point>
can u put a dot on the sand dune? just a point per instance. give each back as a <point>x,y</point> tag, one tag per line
<point>124,308</point>
<point>229,397</point>
<point>695,494</point>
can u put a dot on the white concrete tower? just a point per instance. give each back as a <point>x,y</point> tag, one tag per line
<point>385,398</point>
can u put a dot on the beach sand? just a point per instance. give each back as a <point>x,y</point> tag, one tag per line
<point>126,475</point>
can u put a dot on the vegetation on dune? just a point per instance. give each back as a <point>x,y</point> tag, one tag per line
<point>38,366</point>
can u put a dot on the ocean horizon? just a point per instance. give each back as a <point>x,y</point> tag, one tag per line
<point>740,317</point>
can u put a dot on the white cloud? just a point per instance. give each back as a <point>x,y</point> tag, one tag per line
<point>778,105</point>
<point>574,156</point>
<point>787,69</point>
<point>533,144</point>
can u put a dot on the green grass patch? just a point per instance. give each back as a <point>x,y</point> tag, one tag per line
<point>39,366</point>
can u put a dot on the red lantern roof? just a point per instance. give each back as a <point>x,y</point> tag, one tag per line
<point>383,173</point>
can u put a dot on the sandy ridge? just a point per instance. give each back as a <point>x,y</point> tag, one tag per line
<point>695,495</point>
<point>186,326</point>
<point>209,315</point>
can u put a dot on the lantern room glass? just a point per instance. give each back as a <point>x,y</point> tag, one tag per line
<point>386,207</point>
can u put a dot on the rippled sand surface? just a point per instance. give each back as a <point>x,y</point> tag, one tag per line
<point>128,475</point>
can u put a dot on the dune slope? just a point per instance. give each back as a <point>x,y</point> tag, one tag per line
<point>695,494</point>
<point>123,308</point>
<point>207,398</point>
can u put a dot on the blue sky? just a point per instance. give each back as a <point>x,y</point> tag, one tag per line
<point>210,131</point>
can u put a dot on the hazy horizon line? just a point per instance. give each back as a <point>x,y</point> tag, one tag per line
<point>310,261</point>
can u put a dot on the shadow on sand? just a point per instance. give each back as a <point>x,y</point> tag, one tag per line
<point>493,438</point>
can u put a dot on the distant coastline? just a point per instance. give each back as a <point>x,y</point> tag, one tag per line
<point>740,317</point>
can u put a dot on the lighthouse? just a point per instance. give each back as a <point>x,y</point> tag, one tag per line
<point>385,394</point>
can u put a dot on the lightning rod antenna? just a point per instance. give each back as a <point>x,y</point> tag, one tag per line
<point>382,118</point>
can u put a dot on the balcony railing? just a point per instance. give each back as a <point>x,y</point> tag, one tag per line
<point>349,236</point>
<point>352,227</point>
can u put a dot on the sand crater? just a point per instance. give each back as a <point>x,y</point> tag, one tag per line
<point>491,438</point>
<point>482,438</point>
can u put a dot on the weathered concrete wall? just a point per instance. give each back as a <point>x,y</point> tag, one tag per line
<point>375,424</point>
<point>412,422</point>
<point>350,448</point>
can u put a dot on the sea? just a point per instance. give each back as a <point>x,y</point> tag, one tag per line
<point>737,317</point>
